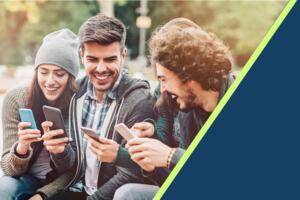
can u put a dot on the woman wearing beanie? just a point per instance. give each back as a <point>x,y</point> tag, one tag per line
<point>28,158</point>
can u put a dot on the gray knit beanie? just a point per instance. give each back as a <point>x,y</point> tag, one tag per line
<point>60,48</point>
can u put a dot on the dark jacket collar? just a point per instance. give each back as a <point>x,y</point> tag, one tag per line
<point>127,85</point>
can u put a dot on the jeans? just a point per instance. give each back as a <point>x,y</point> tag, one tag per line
<point>134,191</point>
<point>18,188</point>
<point>69,195</point>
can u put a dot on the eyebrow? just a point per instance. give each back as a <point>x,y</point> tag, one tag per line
<point>89,56</point>
<point>111,57</point>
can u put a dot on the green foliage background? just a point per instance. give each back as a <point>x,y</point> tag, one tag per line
<point>241,24</point>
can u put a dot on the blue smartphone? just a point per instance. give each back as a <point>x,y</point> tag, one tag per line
<point>27,116</point>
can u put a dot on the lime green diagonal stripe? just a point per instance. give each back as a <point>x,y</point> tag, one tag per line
<point>225,99</point>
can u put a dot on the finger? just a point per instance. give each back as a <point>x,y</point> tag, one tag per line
<point>23,125</point>
<point>145,133</point>
<point>29,141</point>
<point>58,141</point>
<point>96,151</point>
<point>127,146</point>
<point>104,140</point>
<point>93,142</point>
<point>141,125</point>
<point>137,141</point>
<point>54,147</point>
<point>29,131</point>
<point>29,136</point>
<point>49,135</point>
<point>34,140</point>
<point>136,148</point>
<point>46,125</point>
<point>145,161</point>
<point>138,156</point>
<point>51,148</point>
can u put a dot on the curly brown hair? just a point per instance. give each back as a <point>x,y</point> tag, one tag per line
<point>192,54</point>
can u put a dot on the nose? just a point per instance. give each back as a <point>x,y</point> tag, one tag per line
<point>50,79</point>
<point>162,88</point>
<point>101,67</point>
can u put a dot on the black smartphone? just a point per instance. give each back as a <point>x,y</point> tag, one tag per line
<point>54,115</point>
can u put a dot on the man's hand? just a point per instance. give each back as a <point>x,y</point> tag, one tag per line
<point>143,129</point>
<point>105,149</point>
<point>54,146</point>
<point>36,197</point>
<point>26,137</point>
<point>148,152</point>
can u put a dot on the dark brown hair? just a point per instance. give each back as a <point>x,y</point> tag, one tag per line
<point>192,54</point>
<point>36,99</point>
<point>103,30</point>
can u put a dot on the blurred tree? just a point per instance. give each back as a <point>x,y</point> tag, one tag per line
<point>126,12</point>
<point>241,24</point>
<point>23,24</point>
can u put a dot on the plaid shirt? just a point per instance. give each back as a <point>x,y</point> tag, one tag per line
<point>90,104</point>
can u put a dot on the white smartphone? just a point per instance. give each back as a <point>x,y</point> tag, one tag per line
<point>124,131</point>
<point>90,132</point>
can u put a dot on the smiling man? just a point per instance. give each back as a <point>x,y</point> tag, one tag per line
<point>107,96</point>
<point>193,68</point>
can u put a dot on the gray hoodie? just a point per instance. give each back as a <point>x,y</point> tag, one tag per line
<point>134,104</point>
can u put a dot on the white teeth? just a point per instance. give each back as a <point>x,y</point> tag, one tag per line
<point>51,89</point>
<point>173,96</point>
<point>102,77</point>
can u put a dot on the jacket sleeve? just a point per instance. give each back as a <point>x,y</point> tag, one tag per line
<point>67,159</point>
<point>123,176</point>
<point>141,110</point>
<point>159,175</point>
<point>11,163</point>
<point>124,160</point>
<point>59,184</point>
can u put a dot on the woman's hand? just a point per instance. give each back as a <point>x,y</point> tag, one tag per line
<point>26,137</point>
<point>52,144</point>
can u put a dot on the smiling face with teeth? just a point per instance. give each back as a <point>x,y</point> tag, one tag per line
<point>181,93</point>
<point>52,81</point>
<point>102,64</point>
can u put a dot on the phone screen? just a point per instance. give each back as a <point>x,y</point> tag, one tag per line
<point>26,115</point>
<point>124,131</point>
<point>54,115</point>
<point>90,132</point>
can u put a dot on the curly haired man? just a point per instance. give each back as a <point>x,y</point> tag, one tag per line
<point>193,68</point>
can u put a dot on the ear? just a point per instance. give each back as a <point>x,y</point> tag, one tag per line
<point>194,85</point>
<point>81,54</point>
<point>123,55</point>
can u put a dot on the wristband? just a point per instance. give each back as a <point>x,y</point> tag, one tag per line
<point>170,157</point>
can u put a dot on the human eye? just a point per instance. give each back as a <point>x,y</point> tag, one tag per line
<point>60,74</point>
<point>111,59</point>
<point>91,59</point>
<point>43,72</point>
